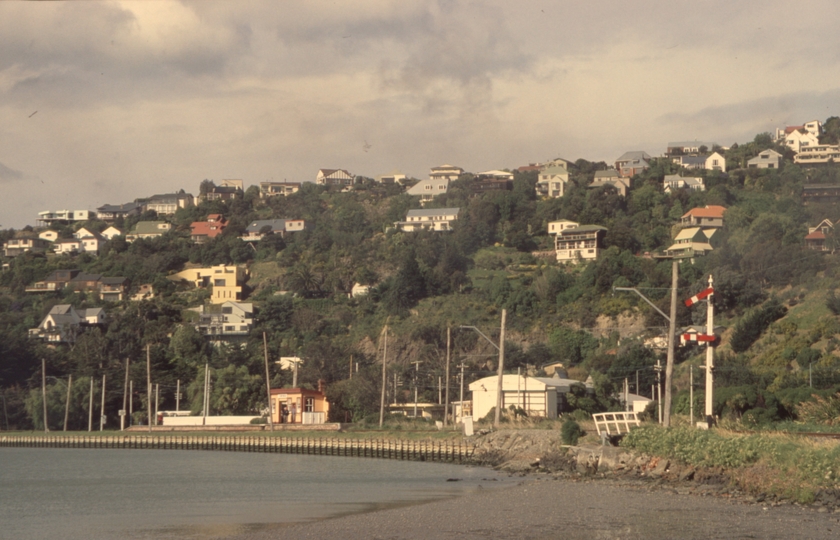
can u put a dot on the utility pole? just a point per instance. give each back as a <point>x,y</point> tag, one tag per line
<point>149,385</point>
<point>658,393</point>
<point>672,328</point>
<point>130,400</point>
<point>178,395</point>
<point>384,376</point>
<point>462,391</point>
<point>102,406</point>
<point>67,403</point>
<point>125,398</point>
<point>157,401</point>
<point>351,367</point>
<point>268,384</point>
<point>499,390</point>
<point>446,403</point>
<point>90,406</point>
<point>416,369</point>
<point>691,392</point>
<point>44,392</point>
<point>205,400</point>
<point>810,378</point>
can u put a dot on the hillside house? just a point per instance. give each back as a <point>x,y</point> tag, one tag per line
<point>818,154</point>
<point>552,181</point>
<point>148,229</point>
<point>820,193</point>
<point>63,323</point>
<point>111,232</point>
<point>226,282</point>
<point>799,139</point>
<point>48,217</point>
<point>675,181</point>
<point>437,219</point>
<point>113,289</point>
<point>632,162</point>
<point>820,238</point>
<point>226,319</point>
<point>168,203</point>
<point>711,162</point>
<point>429,189</point>
<point>56,281</point>
<point>67,246</point>
<point>201,231</point>
<point>556,227</point>
<point>485,185</point>
<point>395,177</point>
<point>583,243</point>
<point>49,235</point>
<point>711,216</point>
<point>333,177</point>
<point>768,159</point>
<point>688,148</point>
<point>25,243</point>
<point>611,177</point>
<point>259,228</point>
<point>271,189</point>
<point>445,172</point>
<point>691,241</point>
<point>223,193</point>
<point>813,127</point>
<point>112,212</point>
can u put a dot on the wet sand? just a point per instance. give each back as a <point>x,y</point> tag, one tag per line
<point>546,507</point>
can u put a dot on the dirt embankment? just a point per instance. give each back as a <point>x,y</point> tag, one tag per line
<point>541,451</point>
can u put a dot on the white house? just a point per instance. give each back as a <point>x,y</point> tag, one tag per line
<point>611,177</point>
<point>556,227</point>
<point>64,216</point>
<point>627,158</point>
<point>798,139</point>
<point>63,323</point>
<point>226,319</point>
<point>436,219</point>
<point>445,172</point>
<point>823,153</point>
<point>429,189</point>
<point>67,246</point>
<point>111,232</point>
<point>48,235</point>
<point>711,162</point>
<point>495,174</point>
<point>692,241</point>
<point>675,181</point>
<point>552,181</point>
<point>690,148</point>
<point>253,233</point>
<point>334,177</point>
<point>537,396</point>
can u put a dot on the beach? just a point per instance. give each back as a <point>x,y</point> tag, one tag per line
<point>546,506</point>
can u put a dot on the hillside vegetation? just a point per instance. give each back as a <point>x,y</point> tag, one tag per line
<point>774,296</point>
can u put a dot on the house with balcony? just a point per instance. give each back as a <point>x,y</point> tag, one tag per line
<point>168,203</point>
<point>48,217</point>
<point>436,219</point>
<point>334,177</point>
<point>581,243</point>
<point>63,323</point>
<point>820,193</point>
<point>813,127</point>
<point>818,154</point>
<point>556,227</point>
<point>25,242</point>
<point>148,229</point>
<point>395,177</point>
<point>445,172</point>
<point>674,181</point>
<point>222,193</point>
<point>710,217</point>
<point>552,182</point>
<point>113,289</point>
<point>429,189</point>
<point>226,319</point>
<point>272,189</point>
<point>257,230</point>
<point>201,231</point>
<point>55,281</point>
<point>688,148</point>
<point>768,159</point>
<point>799,138</point>
<point>225,282</point>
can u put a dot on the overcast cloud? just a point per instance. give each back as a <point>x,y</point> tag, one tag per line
<point>105,102</point>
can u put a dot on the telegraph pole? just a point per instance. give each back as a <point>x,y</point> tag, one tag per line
<point>125,398</point>
<point>416,369</point>
<point>499,390</point>
<point>446,403</point>
<point>149,385</point>
<point>44,392</point>
<point>90,406</point>
<point>102,406</point>
<point>672,328</point>
<point>268,384</point>
<point>67,404</point>
<point>384,377</point>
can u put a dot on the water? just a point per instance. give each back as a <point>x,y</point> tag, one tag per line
<point>98,494</point>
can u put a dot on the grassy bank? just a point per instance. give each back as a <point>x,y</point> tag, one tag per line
<point>787,466</point>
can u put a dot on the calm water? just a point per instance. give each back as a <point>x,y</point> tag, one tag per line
<point>99,494</point>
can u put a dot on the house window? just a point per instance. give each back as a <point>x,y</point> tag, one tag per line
<point>218,283</point>
<point>309,405</point>
<point>227,310</point>
<point>230,328</point>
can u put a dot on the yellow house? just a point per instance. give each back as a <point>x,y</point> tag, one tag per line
<point>298,406</point>
<point>226,281</point>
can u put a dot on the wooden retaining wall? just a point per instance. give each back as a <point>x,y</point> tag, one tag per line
<point>443,451</point>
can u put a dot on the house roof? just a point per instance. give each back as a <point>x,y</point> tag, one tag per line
<point>275,224</point>
<point>148,227</point>
<point>431,212</point>
<point>633,155</point>
<point>556,169</point>
<point>710,211</point>
<point>429,187</point>
<point>692,232</point>
<point>693,160</point>
<point>816,235</point>
<point>691,144</point>
<point>82,276</point>
<point>606,175</point>
<point>496,174</point>
<point>583,229</point>
<point>118,208</point>
<point>113,280</point>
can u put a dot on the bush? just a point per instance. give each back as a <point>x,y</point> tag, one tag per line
<point>571,432</point>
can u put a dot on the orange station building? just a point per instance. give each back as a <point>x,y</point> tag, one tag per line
<point>298,406</point>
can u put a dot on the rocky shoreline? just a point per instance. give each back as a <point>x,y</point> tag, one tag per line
<point>528,452</point>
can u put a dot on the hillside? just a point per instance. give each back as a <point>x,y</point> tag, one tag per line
<point>771,295</point>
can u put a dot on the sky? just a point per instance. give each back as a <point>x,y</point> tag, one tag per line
<point>106,102</point>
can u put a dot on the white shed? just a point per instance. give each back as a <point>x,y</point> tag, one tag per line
<point>537,396</point>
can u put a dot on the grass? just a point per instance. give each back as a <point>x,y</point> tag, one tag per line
<point>783,465</point>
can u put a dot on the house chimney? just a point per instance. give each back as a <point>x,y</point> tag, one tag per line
<point>321,385</point>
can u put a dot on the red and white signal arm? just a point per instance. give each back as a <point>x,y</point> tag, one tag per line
<point>699,296</point>
<point>697,337</point>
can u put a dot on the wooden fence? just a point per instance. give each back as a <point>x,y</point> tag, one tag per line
<point>444,451</point>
